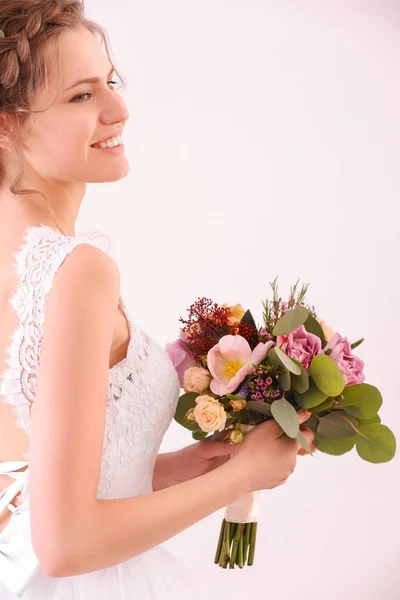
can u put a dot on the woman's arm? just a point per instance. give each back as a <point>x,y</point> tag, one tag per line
<point>107,532</point>
<point>72,530</point>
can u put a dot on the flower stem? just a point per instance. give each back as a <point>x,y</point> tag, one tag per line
<point>246,541</point>
<point>240,553</point>
<point>220,540</point>
<point>253,537</point>
<point>235,546</point>
<point>223,562</point>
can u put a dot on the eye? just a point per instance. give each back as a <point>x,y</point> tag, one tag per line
<point>81,97</point>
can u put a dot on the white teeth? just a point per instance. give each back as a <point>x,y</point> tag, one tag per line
<point>111,142</point>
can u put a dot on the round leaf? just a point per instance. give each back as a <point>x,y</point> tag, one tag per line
<point>334,446</point>
<point>185,403</point>
<point>300,383</point>
<point>199,435</point>
<point>362,400</point>
<point>326,375</point>
<point>287,362</point>
<point>337,425</point>
<point>286,416</point>
<point>312,397</point>
<point>291,321</point>
<point>284,376</point>
<point>324,406</point>
<point>362,422</point>
<point>376,443</point>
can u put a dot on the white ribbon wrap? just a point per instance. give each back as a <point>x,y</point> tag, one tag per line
<point>246,508</point>
<point>18,561</point>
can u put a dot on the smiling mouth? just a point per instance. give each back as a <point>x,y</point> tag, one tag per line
<point>112,142</point>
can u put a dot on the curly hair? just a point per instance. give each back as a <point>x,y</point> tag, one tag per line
<point>32,28</point>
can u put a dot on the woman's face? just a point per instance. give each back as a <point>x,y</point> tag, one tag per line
<point>58,145</point>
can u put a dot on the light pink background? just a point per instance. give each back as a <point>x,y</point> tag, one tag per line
<point>264,140</point>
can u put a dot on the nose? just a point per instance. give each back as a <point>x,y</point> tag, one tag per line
<point>116,110</point>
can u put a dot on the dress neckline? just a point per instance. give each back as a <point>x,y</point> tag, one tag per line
<point>42,228</point>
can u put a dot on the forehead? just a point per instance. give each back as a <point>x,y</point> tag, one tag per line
<point>81,55</point>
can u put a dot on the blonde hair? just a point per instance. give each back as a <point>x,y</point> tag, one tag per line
<point>32,28</point>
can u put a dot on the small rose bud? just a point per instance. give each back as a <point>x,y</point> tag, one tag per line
<point>236,436</point>
<point>238,404</point>
<point>190,415</point>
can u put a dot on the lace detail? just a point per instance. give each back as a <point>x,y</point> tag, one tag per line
<point>36,262</point>
<point>143,388</point>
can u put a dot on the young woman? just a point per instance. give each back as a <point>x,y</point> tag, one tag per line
<point>86,395</point>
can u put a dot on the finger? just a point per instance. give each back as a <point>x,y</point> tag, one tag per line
<point>303,451</point>
<point>304,415</point>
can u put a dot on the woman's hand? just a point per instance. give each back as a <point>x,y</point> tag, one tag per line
<point>194,460</point>
<point>205,456</point>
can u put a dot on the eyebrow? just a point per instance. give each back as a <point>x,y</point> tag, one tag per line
<point>88,80</point>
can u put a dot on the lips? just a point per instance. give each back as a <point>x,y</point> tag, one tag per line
<point>108,137</point>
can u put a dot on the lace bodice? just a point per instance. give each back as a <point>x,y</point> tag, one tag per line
<point>143,388</point>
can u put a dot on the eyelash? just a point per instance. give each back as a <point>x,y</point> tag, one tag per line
<point>88,93</point>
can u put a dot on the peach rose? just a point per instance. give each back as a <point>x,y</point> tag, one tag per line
<point>328,331</point>
<point>209,414</point>
<point>196,379</point>
<point>236,313</point>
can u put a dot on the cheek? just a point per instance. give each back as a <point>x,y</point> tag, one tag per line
<point>61,148</point>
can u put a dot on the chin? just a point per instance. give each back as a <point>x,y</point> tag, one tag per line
<point>114,175</point>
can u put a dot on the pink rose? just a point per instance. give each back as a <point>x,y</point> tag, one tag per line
<point>300,345</point>
<point>351,366</point>
<point>180,356</point>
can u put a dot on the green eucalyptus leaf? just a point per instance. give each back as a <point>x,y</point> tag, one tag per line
<point>312,326</point>
<point>199,435</point>
<point>290,321</point>
<point>376,443</point>
<point>327,375</point>
<point>362,400</point>
<point>286,416</point>
<point>312,397</point>
<point>260,407</point>
<point>287,362</point>
<point>185,403</point>
<point>337,425</point>
<point>324,406</point>
<point>303,442</point>
<point>334,446</point>
<point>300,383</point>
<point>312,422</point>
<point>284,375</point>
<point>362,422</point>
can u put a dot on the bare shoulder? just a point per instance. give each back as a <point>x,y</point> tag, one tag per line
<point>88,265</point>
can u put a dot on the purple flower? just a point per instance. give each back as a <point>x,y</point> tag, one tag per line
<point>351,366</point>
<point>181,357</point>
<point>300,345</point>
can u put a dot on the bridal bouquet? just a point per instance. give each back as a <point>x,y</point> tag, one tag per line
<point>236,375</point>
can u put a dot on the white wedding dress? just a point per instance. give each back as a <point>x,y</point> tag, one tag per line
<point>143,392</point>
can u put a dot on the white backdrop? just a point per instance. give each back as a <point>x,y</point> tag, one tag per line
<point>264,140</point>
